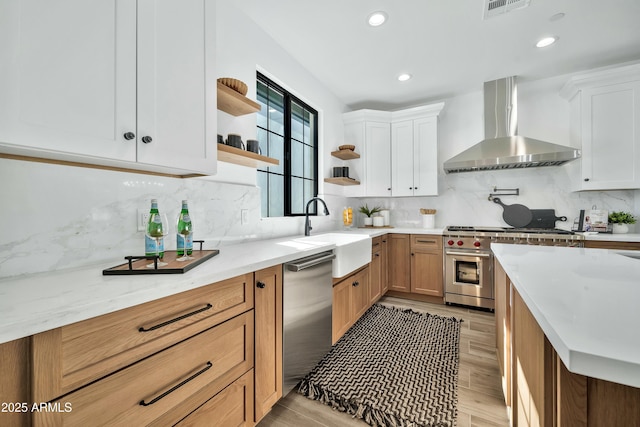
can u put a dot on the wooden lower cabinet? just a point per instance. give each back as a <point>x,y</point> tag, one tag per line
<point>399,262</point>
<point>72,356</point>
<point>384,263</point>
<point>416,264</point>
<point>14,383</point>
<point>540,390</point>
<point>606,244</point>
<point>186,359</point>
<point>268,335</point>
<point>232,407</point>
<point>375,270</point>
<point>162,389</point>
<point>533,378</point>
<point>350,301</point>
<point>503,328</point>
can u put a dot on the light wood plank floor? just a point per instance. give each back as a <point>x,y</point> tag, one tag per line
<point>480,400</point>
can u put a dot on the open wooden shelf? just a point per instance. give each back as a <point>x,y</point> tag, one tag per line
<point>229,154</point>
<point>234,103</point>
<point>342,181</point>
<point>345,154</point>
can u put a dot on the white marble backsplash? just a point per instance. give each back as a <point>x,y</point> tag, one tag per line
<point>56,217</point>
<point>463,198</point>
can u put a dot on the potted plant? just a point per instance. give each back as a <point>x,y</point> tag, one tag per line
<point>620,220</point>
<point>369,212</point>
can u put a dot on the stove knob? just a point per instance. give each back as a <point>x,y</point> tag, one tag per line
<point>460,242</point>
<point>477,244</point>
<point>450,242</point>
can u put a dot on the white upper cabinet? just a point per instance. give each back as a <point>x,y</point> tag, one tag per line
<point>87,81</point>
<point>378,169</point>
<point>414,151</point>
<point>399,151</point>
<point>370,132</point>
<point>605,122</point>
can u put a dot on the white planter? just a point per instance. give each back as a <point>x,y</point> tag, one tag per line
<point>368,220</point>
<point>620,228</point>
<point>378,221</point>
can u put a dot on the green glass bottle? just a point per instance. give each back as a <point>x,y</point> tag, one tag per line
<point>154,234</point>
<point>184,233</point>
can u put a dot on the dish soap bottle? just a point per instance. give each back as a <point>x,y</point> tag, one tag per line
<point>184,235</point>
<point>154,227</point>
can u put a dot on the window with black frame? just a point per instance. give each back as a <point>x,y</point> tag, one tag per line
<point>287,131</point>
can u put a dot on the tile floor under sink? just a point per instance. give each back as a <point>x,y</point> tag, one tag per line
<point>480,401</point>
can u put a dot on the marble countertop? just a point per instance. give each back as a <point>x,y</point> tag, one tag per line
<point>35,303</point>
<point>585,301</point>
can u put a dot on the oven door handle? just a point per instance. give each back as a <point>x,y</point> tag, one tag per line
<point>481,255</point>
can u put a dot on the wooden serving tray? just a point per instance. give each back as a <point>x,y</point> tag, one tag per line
<point>138,265</point>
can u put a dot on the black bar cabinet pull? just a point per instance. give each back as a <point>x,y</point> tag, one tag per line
<point>168,322</point>
<point>177,386</point>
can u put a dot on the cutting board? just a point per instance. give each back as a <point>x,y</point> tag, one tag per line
<point>544,218</point>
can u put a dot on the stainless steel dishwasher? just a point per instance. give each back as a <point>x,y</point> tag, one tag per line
<point>306,316</point>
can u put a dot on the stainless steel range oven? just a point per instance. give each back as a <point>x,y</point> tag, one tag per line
<point>468,272</point>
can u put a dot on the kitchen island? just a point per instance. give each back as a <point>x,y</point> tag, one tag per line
<point>567,336</point>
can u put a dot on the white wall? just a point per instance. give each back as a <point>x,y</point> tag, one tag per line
<point>56,216</point>
<point>463,197</point>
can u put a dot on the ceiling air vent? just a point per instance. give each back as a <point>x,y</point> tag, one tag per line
<point>498,7</point>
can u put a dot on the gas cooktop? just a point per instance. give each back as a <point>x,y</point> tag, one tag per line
<point>481,229</point>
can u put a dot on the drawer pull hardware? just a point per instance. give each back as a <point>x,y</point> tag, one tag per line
<point>168,322</point>
<point>356,283</point>
<point>177,386</point>
<point>261,285</point>
<point>426,241</point>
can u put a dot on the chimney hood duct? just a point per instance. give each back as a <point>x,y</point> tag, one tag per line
<point>502,148</point>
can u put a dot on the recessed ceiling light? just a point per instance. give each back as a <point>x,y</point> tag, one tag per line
<point>404,77</point>
<point>547,41</point>
<point>377,18</point>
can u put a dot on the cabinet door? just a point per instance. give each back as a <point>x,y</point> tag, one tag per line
<point>426,272</point>
<point>399,262</point>
<point>375,271</point>
<point>611,137</point>
<point>341,313</point>
<point>402,158</point>
<point>378,167</point>
<point>68,77</point>
<point>503,328</point>
<point>176,44</point>
<point>360,294</point>
<point>268,339</point>
<point>425,157</point>
<point>14,383</point>
<point>533,374</point>
<point>384,264</point>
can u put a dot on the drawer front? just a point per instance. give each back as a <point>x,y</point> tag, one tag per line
<point>74,355</point>
<point>426,241</point>
<point>158,386</point>
<point>232,407</point>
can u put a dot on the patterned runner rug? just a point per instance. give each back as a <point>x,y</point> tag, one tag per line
<point>392,368</point>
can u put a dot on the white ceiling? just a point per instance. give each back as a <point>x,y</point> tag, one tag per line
<point>445,44</point>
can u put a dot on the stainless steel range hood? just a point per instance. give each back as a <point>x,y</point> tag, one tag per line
<point>502,148</point>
